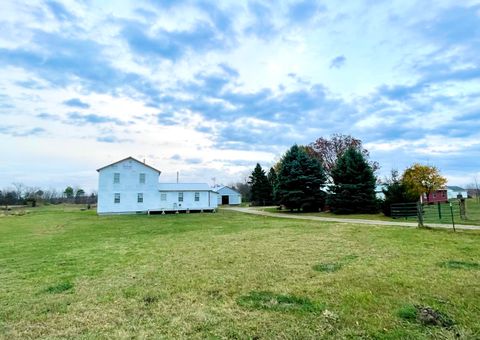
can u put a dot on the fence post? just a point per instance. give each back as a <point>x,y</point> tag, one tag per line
<point>439,211</point>
<point>420,215</point>
<point>453,219</point>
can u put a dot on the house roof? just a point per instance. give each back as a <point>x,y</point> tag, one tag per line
<point>129,158</point>
<point>225,188</point>
<point>455,188</point>
<point>184,187</point>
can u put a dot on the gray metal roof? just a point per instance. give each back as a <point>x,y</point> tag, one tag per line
<point>455,188</point>
<point>225,189</point>
<point>184,187</point>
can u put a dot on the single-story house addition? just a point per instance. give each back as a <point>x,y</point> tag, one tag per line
<point>130,186</point>
<point>228,196</point>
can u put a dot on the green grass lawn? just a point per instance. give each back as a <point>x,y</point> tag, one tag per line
<point>69,273</point>
<point>431,214</point>
<point>473,209</point>
<point>376,217</point>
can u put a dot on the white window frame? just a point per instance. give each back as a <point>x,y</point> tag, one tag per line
<point>180,196</point>
<point>163,196</point>
<point>142,178</point>
<point>116,177</point>
<point>197,197</point>
<point>116,198</point>
<point>140,197</point>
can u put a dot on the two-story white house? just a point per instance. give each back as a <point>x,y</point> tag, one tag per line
<point>130,186</point>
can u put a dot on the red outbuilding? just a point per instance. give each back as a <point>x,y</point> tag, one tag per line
<point>436,196</point>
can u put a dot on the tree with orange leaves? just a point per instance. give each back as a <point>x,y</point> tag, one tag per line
<point>422,179</point>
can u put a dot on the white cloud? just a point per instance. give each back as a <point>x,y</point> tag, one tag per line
<point>158,107</point>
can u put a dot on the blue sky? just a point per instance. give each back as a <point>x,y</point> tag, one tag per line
<point>210,88</point>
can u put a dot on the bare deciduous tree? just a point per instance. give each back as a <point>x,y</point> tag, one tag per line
<point>329,150</point>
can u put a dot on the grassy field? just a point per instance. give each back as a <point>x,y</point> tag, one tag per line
<point>376,217</point>
<point>473,209</point>
<point>69,273</point>
<point>431,214</point>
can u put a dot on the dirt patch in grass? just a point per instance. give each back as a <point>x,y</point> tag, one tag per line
<point>278,302</point>
<point>59,288</point>
<point>426,316</point>
<point>459,265</point>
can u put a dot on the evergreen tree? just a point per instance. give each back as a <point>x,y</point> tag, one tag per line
<point>354,185</point>
<point>273,180</point>
<point>299,181</point>
<point>69,192</point>
<point>395,192</point>
<point>261,191</point>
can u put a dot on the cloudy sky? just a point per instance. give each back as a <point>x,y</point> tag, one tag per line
<point>209,88</point>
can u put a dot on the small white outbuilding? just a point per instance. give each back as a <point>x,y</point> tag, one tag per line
<point>228,196</point>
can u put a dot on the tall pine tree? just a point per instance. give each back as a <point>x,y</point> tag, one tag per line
<point>354,185</point>
<point>261,191</point>
<point>299,181</point>
<point>273,180</point>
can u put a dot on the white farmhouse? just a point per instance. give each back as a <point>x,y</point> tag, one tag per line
<point>130,186</point>
<point>228,196</point>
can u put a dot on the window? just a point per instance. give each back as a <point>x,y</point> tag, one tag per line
<point>117,198</point>
<point>142,178</point>
<point>116,177</point>
<point>140,197</point>
<point>197,197</point>
<point>163,197</point>
<point>180,196</point>
<point>434,195</point>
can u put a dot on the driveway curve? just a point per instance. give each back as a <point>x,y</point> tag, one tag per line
<point>254,211</point>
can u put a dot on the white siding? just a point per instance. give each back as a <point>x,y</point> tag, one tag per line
<point>453,194</point>
<point>234,198</point>
<point>129,187</point>
<point>208,200</point>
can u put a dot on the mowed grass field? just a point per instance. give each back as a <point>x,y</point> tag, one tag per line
<point>430,216</point>
<point>66,273</point>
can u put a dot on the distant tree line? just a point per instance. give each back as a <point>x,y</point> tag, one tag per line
<point>19,194</point>
<point>336,174</point>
